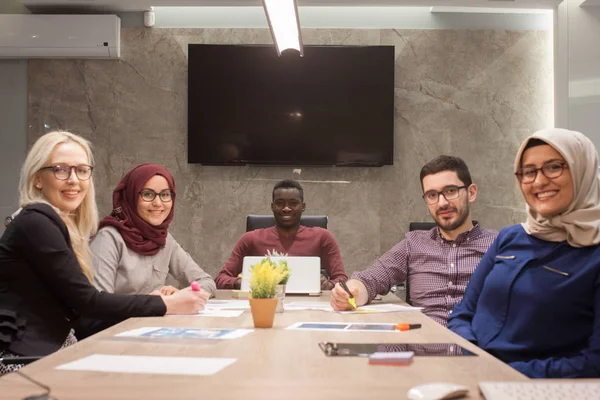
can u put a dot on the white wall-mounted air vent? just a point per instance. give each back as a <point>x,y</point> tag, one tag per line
<point>59,36</point>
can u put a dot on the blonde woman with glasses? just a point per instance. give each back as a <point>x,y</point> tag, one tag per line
<point>45,262</point>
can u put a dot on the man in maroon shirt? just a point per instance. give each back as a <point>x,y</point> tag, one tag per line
<point>437,263</point>
<point>288,237</point>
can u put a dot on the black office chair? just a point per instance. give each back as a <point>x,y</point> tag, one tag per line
<point>259,221</point>
<point>416,226</point>
<point>421,226</point>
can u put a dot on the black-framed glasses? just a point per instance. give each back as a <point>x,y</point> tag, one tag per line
<point>63,171</point>
<point>449,193</point>
<point>148,195</point>
<point>552,170</point>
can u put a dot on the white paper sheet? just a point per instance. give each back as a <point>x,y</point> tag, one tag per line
<point>162,333</point>
<point>381,308</point>
<point>215,312</point>
<point>372,308</point>
<point>149,365</point>
<point>308,305</point>
<point>227,305</point>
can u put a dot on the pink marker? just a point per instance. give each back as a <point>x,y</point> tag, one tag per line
<point>195,286</point>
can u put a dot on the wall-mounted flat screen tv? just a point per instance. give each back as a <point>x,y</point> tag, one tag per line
<point>334,106</point>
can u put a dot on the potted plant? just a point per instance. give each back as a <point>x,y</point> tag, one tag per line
<point>266,275</point>
<point>280,292</point>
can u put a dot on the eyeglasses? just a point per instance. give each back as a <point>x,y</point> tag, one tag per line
<point>63,171</point>
<point>148,195</point>
<point>551,170</point>
<point>449,192</point>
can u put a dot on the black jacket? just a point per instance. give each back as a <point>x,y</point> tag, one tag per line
<point>43,290</point>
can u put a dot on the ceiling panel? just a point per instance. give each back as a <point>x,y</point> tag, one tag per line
<point>138,5</point>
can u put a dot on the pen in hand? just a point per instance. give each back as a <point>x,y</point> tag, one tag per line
<point>195,286</point>
<point>351,299</point>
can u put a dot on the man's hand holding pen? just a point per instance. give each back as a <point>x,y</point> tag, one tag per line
<point>340,297</point>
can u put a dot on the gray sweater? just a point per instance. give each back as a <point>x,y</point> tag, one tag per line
<point>118,269</point>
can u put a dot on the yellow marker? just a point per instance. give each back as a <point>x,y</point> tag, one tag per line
<point>352,302</point>
<point>351,299</point>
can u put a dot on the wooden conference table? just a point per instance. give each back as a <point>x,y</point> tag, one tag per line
<point>271,363</point>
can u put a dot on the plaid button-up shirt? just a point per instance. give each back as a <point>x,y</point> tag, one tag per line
<point>438,270</point>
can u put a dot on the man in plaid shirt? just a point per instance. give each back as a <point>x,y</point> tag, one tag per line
<point>437,263</point>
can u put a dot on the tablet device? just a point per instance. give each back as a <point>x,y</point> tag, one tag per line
<point>419,349</point>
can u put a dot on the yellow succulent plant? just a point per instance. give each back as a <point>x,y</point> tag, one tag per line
<point>266,275</point>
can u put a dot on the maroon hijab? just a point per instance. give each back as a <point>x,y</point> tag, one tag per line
<point>138,235</point>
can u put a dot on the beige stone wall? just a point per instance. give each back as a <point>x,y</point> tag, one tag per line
<point>471,93</point>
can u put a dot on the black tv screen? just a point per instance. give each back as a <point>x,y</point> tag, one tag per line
<point>334,106</point>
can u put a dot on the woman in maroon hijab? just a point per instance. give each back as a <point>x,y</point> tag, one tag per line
<point>133,252</point>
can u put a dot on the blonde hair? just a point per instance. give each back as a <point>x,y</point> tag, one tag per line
<point>82,223</point>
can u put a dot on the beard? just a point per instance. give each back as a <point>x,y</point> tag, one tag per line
<point>450,225</point>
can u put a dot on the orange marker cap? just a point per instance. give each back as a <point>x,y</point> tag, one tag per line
<point>405,327</point>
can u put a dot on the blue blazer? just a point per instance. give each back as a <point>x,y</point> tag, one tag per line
<point>535,305</point>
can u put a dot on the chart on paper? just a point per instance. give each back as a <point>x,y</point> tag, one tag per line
<point>343,326</point>
<point>184,333</point>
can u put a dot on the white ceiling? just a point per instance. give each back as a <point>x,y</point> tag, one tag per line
<point>139,5</point>
<point>591,3</point>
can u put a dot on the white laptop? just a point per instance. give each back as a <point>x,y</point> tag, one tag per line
<point>304,279</point>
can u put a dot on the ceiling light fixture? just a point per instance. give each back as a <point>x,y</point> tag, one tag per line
<point>282,16</point>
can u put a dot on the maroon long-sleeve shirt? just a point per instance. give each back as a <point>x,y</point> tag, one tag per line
<point>315,241</point>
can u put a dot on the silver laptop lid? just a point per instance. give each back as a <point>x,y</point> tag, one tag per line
<point>304,279</point>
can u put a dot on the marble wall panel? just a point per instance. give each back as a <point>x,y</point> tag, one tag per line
<point>471,93</point>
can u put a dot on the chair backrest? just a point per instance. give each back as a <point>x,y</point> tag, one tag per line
<point>421,226</point>
<point>259,221</point>
<point>416,226</point>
